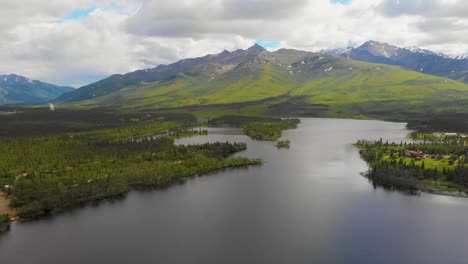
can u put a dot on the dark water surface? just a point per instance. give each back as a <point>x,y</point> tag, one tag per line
<point>307,204</point>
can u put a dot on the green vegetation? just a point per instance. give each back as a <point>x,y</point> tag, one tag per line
<point>438,137</point>
<point>58,171</point>
<point>434,165</point>
<point>283,83</point>
<point>242,84</point>
<point>239,120</point>
<point>460,76</point>
<point>34,122</point>
<point>270,130</point>
<point>4,223</point>
<point>27,122</point>
<point>446,121</point>
<point>283,144</point>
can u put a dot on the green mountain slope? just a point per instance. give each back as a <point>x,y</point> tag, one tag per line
<point>459,76</point>
<point>281,82</point>
<point>213,63</point>
<point>363,88</point>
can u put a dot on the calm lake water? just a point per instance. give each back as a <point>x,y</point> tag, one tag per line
<point>308,204</point>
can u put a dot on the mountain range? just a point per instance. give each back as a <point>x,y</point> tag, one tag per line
<point>255,81</point>
<point>411,58</point>
<point>16,89</point>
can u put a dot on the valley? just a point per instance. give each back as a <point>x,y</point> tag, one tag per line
<point>102,141</point>
<point>254,89</point>
<point>234,131</point>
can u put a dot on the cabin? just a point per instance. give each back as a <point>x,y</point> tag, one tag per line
<point>14,218</point>
<point>414,154</point>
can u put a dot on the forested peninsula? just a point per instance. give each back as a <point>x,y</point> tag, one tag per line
<point>433,163</point>
<point>49,173</point>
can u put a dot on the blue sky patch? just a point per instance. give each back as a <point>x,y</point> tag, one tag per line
<point>77,14</point>
<point>340,1</point>
<point>268,43</point>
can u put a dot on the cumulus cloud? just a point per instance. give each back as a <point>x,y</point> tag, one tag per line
<point>201,18</point>
<point>427,8</point>
<point>441,24</point>
<point>77,42</point>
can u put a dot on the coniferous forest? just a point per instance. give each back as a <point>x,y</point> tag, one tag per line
<point>432,163</point>
<point>49,173</point>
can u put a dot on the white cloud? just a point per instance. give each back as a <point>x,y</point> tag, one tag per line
<point>124,35</point>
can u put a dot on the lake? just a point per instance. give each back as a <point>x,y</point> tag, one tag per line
<point>308,204</point>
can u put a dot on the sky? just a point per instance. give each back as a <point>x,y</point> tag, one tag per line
<point>81,41</point>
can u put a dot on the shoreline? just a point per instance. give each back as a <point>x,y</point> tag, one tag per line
<point>5,199</point>
<point>428,190</point>
<point>436,191</point>
<point>5,207</point>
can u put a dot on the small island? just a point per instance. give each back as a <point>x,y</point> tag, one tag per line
<point>269,130</point>
<point>283,144</point>
<point>259,128</point>
<point>435,163</point>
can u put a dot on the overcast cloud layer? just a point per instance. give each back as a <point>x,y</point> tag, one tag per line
<point>78,42</point>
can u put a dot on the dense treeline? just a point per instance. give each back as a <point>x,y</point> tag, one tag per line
<point>34,122</point>
<point>187,132</point>
<point>270,130</point>
<point>420,165</point>
<point>459,176</point>
<point>238,121</point>
<point>440,122</point>
<point>31,122</point>
<point>399,175</point>
<point>48,173</point>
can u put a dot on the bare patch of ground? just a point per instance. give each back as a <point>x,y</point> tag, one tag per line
<point>5,205</point>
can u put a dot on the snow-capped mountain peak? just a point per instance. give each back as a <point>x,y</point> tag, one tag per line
<point>460,56</point>
<point>415,58</point>
<point>336,52</point>
<point>414,49</point>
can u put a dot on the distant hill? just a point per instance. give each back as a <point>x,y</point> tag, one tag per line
<point>160,73</point>
<point>412,58</point>
<point>16,89</point>
<point>256,81</point>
